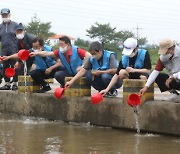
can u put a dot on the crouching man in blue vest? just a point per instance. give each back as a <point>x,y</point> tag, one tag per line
<point>103,64</point>
<point>135,64</point>
<point>45,67</point>
<point>70,57</point>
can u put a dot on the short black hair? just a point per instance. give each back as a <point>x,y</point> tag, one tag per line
<point>38,39</point>
<point>95,46</point>
<point>65,39</point>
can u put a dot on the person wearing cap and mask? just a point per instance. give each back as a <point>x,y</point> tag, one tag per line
<point>99,70</point>
<point>169,59</point>
<point>70,56</point>
<point>135,64</point>
<point>9,46</point>
<point>24,42</point>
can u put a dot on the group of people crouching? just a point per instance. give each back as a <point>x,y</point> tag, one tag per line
<point>99,66</point>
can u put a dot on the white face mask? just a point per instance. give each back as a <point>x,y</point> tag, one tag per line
<point>37,50</point>
<point>63,50</point>
<point>20,36</point>
<point>167,56</point>
<point>6,19</point>
<point>132,55</point>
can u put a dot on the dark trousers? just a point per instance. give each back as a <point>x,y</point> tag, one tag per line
<point>61,74</point>
<point>101,82</point>
<point>7,64</point>
<point>39,76</point>
<point>161,79</point>
<point>29,63</point>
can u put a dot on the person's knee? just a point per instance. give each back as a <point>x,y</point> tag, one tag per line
<point>106,77</point>
<point>57,75</point>
<point>32,73</point>
<point>88,76</point>
<point>123,74</point>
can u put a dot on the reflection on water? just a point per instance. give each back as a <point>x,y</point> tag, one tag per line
<point>27,135</point>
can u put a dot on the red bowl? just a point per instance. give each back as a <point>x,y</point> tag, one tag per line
<point>133,100</point>
<point>59,92</point>
<point>96,98</point>
<point>23,54</point>
<point>10,72</point>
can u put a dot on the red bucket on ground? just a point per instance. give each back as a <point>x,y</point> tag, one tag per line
<point>134,100</point>
<point>23,54</point>
<point>9,72</point>
<point>96,98</point>
<point>59,92</point>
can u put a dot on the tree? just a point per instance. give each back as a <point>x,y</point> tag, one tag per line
<point>39,28</point>
<point>82,43</point>
<point>104,32</point>
<point>108,35</point>
<point>142,41</point>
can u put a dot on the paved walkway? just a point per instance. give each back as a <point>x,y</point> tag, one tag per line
<point>157,94</point>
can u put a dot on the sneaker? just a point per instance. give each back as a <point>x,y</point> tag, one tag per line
<point>44,89</point>
<point>5,87</point>
<point>173,97</point>
<point>14,87</point>
<point>111,94</point>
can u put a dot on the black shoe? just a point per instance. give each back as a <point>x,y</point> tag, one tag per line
<point>111,94</point>
<point>44,89</point>
<point>5,87</point>
<point>14,87</point>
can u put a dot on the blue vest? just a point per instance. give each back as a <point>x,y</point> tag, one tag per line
<point>42,63</point>
<point>105,62</point>
<point>139,63</point>
<point>75,61</point>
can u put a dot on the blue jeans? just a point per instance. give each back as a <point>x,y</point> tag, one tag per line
<point>102,81</point>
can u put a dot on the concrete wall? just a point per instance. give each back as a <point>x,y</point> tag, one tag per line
<point>158,117</point>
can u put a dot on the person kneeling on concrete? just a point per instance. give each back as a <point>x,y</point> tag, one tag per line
<point>71,58</point>
<point>45,67</point>
<point>169,59</point>
<point>103,64</point>
<point>135,64</point>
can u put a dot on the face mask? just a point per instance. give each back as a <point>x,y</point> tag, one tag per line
<point>37,50</point>
<point>20,36</point>
<point>167,56</point>
<point>5,19</point>
<point>132,55</point>
<point>63,50</point>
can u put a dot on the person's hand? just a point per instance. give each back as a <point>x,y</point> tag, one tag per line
<point>17,65</point>
<point>103,92</point>
<point>96,73</point>
<point>33,54</point>
<point>5,58</point>
<point>130,69</point>
<point>168,81</point>
<point>143,90</point>
<point>48,71</point>
<point>68,84</point>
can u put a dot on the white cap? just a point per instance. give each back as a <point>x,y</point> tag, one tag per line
<point>129,45</point>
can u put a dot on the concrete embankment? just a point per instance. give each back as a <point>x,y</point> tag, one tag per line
<point>155,116</point>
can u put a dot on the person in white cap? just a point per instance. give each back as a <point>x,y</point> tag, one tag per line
<point>135,64</point>
<point>169,59</point>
